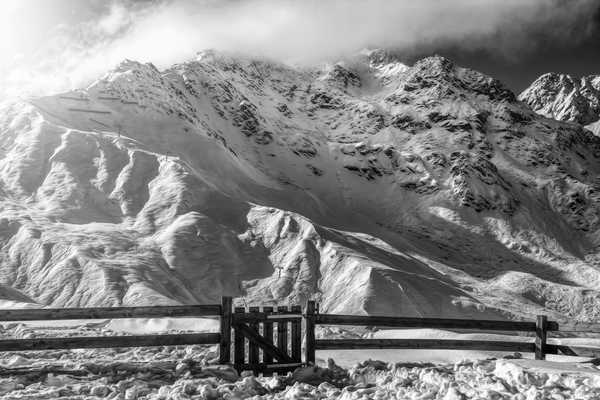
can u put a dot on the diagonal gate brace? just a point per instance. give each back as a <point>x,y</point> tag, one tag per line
<point>267,347</point>
<point>566,350</point>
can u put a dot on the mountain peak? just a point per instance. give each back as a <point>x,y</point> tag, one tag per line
<point>133,67</point>
<point>564,97</point>
<point>438,70</point>
<point>436,63</point>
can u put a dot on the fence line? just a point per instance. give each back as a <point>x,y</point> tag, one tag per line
<point>274,335</point>
<point>54,343</point>
<point>541,326</point>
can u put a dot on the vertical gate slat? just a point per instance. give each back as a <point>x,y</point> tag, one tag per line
<point>268,334</point>
<point>282,331</point>
<point>239,348</point>
<point>297,335</point>
<point>252,347</point>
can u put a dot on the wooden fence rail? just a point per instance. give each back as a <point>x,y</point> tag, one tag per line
<point>446,344</point>
<point>42,314</point>
<point>87,342</point>
<point>274,335</point>
<point>433,323</point>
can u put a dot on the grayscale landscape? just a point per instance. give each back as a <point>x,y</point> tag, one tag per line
<point>374,182</point>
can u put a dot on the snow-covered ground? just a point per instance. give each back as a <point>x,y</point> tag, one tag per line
<point>191,371</point>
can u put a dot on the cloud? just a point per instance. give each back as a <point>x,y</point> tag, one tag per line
<point>165,32</point>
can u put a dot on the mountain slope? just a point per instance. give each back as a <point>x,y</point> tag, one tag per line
<point>565,98</point>
<point>369,185</point>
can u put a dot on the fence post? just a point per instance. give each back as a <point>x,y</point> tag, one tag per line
<point>540,337</point>
<point>225,345</point>
<point>310,333</point>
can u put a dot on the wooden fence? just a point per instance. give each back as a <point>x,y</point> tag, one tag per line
<point>540,346</point>
<point>270,340</point>
<point>215,310</point>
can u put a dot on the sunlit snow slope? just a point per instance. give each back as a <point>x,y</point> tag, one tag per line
<point>368,185</point>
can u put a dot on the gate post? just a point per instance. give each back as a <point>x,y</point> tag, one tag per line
<point>540,337</point>
<point>310,332</point>
<point>225,344</point>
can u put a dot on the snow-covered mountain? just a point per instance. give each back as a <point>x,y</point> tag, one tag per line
<point>369,185</point>
<point>565,98</point>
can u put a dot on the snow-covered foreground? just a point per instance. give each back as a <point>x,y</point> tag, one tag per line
<point>191,371</point>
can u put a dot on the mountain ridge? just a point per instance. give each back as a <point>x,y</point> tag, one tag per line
<point>372,186</point>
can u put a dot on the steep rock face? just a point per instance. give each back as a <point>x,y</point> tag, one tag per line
<point>369,185</point>
<point>565,98</point>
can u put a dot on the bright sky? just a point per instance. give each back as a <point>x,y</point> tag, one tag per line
<point>53,45</point>
<point>43,41</point>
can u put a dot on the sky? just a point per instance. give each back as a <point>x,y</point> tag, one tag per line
<point>577,54</point>
<point>48,46</point>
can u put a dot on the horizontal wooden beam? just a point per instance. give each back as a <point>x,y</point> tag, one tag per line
<point>262,317</point>
<point>39,314</point>
<point>84,342</point>
<point>436,323</point>
<point>330,344</point>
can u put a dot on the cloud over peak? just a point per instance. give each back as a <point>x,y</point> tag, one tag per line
<point>164,32</point>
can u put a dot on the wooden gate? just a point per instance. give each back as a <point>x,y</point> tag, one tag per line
<point>267,340</point>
